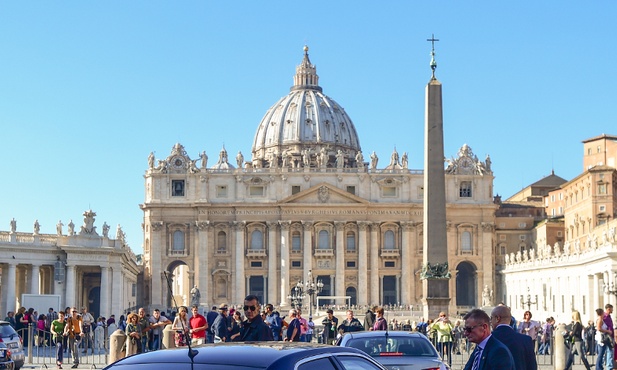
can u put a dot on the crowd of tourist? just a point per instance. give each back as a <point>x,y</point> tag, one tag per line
<point>75,332</point>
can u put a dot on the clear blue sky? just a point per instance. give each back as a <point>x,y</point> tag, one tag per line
<point>89,88</point>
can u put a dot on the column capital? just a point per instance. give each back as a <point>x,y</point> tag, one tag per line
<point>239,225</point>
<point>408,225</point>
<point>272,225</point>
<point>308,225</point>
<point>202,225</point>
<point>363,225</point>
<point>157,225</point>
<point>339,225</point>
<point>375,226</point>
<point>285,225</point>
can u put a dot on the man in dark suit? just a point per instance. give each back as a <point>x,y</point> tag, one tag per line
<point>490,353</point>
<point>520,345</point>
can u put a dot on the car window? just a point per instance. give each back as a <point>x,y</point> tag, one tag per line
<point>6,330</point>
<point>356,363</point>
<point>402,346</point>
<point>320,363</point>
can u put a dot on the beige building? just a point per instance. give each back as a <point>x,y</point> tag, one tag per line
<point>570,262</point>
<point>308,200</point>
<point>83,266</point>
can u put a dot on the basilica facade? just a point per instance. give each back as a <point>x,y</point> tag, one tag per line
<point>310,203</point>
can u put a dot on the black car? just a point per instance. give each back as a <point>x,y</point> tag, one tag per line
<point>6,363</point>
<point>251,355</point>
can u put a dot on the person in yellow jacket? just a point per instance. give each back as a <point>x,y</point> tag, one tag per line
<point>443,328</point>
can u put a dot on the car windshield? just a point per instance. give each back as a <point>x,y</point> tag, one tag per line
<point>393,346</point>
<point>6,330</point>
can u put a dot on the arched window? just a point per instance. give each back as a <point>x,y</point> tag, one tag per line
<point>257,242</point>
<point>178,244</point>
<point>351,241</point>
<point>324,239</point>
<point>388,240</point>
<point>296,244</point>
<point>221,241</point>
<point>466,241</point>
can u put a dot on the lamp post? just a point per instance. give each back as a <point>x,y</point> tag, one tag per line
<point>302,289</point>
<point>610,289</point>
<point>527,302</point>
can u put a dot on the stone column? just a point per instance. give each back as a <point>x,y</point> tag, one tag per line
<point>284,263</point>
<point>201,262</point>
<point>596,288</point>
<point>158,250</point>
<point>70,286</point>
<point>117,298</point>
<point>105,293</point>
<point>35,276</point>
<point>340,260</point>
<point>272,265</point>
<point>374,274</point>
<point>407,277</point>
<point>9,303</point>
<point>307,247</point>
<point>239,284</point>
<point>362,263</point>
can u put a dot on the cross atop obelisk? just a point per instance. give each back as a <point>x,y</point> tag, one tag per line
<point>435,272</point>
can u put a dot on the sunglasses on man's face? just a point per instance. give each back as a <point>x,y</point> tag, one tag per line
<point>252,308</point>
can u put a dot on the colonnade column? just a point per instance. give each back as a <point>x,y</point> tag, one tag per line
<point>70,286</point>
<point>374,275</point>
<point>362,263</point>
<point>117,303</point>
<point>239,283</point>
<point>272,265</point>
<point>158,285</point>
<point>201,261</point>
<point>340,261</point>
<point>35,276</point>
<point>9,303</point>
<point>105,293</point>
<point>307,247</point>
<point>407,278</point>
<point>284,263</point>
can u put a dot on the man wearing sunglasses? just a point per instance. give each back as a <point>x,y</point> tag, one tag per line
<point>490,353</point>
<point>254,328</point>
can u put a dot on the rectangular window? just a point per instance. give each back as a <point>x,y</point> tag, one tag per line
<point>351,190</point>
<point>256,264</point>
<point>553,212</point>
<point>295,189</point>
<point>588,151</point>
<point>560,196</point>
<point>296,264</point>
<point>522,237</point>
<point>388,191</point>
<point>256,191</point>
<point>560,210</point>
<point>389,264</point>
<point>553,198</point>
<point>351,264</point>
<point>602,208</point>
<point>420,192</point>
<point>221,191</point>
<point>522,225</point>
<point>177,188</point>
<point>465,189</point>
<point>133,290</point>
<point>559,233</point>
<point>602,189</point>
<point>502,250</point>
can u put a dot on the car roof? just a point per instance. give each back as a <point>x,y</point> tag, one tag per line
<point>255,354</point>
<point>382,333</point>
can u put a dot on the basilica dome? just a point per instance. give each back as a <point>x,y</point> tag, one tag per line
<point>305,127</point>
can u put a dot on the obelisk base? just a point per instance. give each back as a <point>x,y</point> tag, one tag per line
<point>436,298</point>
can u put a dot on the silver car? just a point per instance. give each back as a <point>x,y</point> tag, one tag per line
<point>12,340</point>
<point>396,350</point>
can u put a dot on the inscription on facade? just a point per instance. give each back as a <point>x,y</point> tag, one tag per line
<point>275,212</point>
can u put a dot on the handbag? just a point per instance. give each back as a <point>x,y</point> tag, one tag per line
<point>607,340</point>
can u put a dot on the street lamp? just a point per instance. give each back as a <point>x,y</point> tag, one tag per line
<point>527,302</point>
<point>302,289</point>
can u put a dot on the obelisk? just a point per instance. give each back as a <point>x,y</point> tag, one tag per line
<point>435,271</point>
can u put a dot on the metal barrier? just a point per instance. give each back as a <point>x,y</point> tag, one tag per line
<point>40,348</point>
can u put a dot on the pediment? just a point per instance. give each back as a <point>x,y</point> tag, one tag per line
<point>324,193</point>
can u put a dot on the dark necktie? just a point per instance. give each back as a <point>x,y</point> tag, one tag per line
<point>476,359</point>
